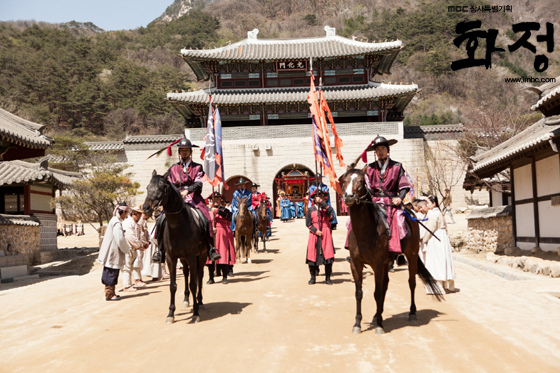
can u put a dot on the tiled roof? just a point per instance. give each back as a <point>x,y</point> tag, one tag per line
<point>22,132</point>
<point>271,95</point>
<point>490,212</point>
<point>150,139</point>
<point>547,96</point>
<point>440,128</point>
<point>17,172</point>
<point>6,219</point>
<point>537,134</point>
<point>278,49</point>
<point>105,145</point>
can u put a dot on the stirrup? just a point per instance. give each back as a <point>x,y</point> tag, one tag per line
<point>156,258</point>
<point>214,254</point>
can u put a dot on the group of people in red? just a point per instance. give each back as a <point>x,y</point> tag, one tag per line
<point>385,179</point>
<point>387,183</point>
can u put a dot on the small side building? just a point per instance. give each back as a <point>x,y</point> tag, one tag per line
<point>533,160</point>
<point>27,220</point>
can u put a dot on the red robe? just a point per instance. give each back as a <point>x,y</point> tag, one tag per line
<point>256,200</point>
<point>190,180</point>
<point>384,188</point>
<point>327,247</point>
<point>223,238</point>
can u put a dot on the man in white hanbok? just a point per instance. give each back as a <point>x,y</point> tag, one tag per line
<point>437,254</point>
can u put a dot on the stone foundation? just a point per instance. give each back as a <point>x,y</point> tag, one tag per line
<point>18,240</point>
<point>490,229</point>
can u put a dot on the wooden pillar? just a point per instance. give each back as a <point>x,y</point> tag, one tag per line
<point>26,199</point>
<point>535,202</point>
<point>513,212</point>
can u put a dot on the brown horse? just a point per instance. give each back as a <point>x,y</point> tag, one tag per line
<point>369,244</point>
<point>244,230</point>
<point>262,226</point>
<point>183,240</point>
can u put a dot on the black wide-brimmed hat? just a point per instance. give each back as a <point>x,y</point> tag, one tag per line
<point>186,144</point>
<point>255,185</point>
<point>216,195</point>
<point>380,141</point>
<point>242,181</point>
<point>317,192</point>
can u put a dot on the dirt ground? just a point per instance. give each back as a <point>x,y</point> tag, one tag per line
<point>267,319</point>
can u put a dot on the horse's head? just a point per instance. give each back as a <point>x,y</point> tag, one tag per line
<point>262,207</point>
<point>242,205</point>
<point>157,193</point>
<point>353,186</point>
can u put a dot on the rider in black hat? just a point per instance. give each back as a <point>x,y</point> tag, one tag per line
<point>188,177</point>
<point>388,185</point>
<point>241,192</point>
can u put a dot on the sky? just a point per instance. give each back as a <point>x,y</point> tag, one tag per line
<point>109,15</point>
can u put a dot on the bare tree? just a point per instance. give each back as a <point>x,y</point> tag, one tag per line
<point>445,168</point>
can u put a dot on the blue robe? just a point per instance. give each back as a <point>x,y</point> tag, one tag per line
<point>285,209</point>
<point>235,204</point>
<point>300,210</point>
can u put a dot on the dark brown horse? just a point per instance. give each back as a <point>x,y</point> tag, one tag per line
<point>262,226</point>
<point>183,240</point>
<point>244,230</point>
<point>368,244</point>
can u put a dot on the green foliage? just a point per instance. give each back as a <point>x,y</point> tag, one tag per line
<point>95,197</point>
<point>310,19</point>
<point>517,70</point>
<point>445,117</point>
<point>429,28</point>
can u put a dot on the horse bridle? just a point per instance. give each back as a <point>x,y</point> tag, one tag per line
<point>165,195</point>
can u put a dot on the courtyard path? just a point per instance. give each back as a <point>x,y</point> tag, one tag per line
<point>269,320</point>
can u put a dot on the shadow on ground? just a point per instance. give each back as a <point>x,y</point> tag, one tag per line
<point>400,320</point>
<point>213,311</point>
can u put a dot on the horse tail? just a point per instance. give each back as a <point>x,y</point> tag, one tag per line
<point>429,281</point>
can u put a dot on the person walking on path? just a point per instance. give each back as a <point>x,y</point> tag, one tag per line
<point>446,204</point>
<point>320,248</point>
<point>133,235</point>
<point>113,251</point>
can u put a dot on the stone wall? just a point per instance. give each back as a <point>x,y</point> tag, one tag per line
<point>22,240</point>
<point>490,229</point>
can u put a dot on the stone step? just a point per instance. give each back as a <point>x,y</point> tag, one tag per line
<point>14,271</point>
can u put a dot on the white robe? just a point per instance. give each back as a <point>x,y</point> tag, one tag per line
<point>154,270</point>
<point>438,257</point>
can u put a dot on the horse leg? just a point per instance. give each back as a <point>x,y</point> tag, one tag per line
<point>381,285</point>
<point>264,241</point>
<point>358,274</point>
<point>248,241</point>
<point>186,274</point>
<point>412,270</point>
<point>201,262</point>
<point>172,264</point>
<point>194,287</point>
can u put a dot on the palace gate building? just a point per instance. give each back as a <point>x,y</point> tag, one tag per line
<point>260,88</point>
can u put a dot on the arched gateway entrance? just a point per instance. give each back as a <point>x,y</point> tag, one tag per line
<point>294,180</point>
<point>228,193</point>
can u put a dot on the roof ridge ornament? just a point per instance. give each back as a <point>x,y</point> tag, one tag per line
<point>253,34</point>
<point>331,31</point>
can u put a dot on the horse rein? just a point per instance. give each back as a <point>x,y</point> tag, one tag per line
<point>169,212</point>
